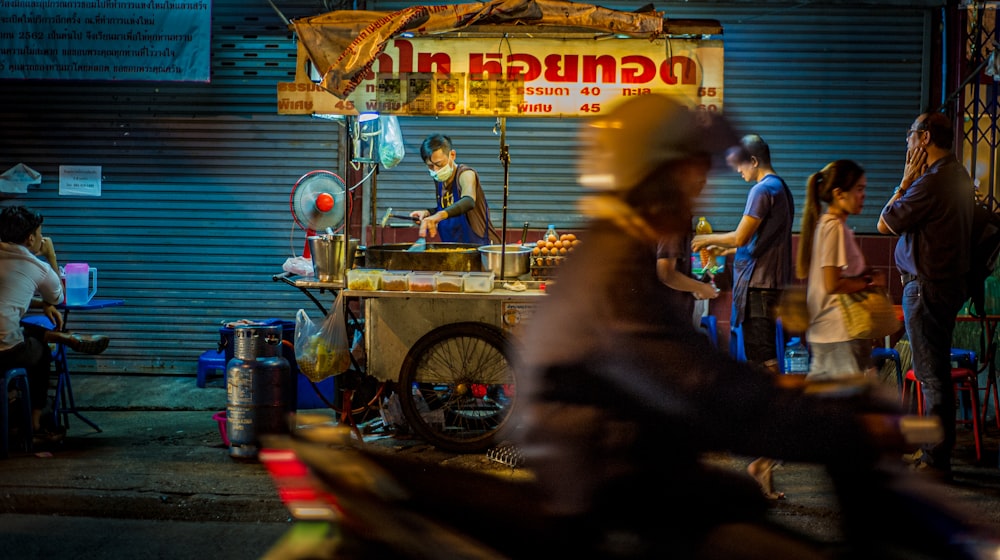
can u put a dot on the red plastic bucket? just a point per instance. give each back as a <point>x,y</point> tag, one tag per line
<point>220,417</point>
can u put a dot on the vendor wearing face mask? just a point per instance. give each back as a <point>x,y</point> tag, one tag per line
<point>462,214</point>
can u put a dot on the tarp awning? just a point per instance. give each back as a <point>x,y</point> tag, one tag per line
<point>343,45</point>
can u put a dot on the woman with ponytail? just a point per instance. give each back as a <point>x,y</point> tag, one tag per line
<point>831,259</point>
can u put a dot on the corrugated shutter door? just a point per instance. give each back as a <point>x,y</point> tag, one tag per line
<point>194,216</point>
<point>818,81</point>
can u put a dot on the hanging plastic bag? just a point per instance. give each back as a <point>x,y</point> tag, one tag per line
<point>390,150</point>
<point>322,351</point>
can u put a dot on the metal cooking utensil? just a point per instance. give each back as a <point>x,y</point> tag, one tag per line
<point>524,232</point>
<point>389,214</point>
<point>419,245</point>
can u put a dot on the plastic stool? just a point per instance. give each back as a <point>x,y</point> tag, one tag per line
<point>710,325</point>
<point>736,348</point>
<point>19,378</point>
<point>209,361</point>
<point>879,353</point>
<point>966,382</point>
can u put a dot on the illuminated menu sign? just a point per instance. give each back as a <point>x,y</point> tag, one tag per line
<point>537,77</point>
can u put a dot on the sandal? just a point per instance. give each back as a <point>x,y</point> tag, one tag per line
<point>87,343</point>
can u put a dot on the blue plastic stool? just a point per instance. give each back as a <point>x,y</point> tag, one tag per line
<point>19,378</point>
<point>710,325</point>
<point>963,358</point>
<point>210,361</point>
<point>736,348</point>
<point>880,353</point>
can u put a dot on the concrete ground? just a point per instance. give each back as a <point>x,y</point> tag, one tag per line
<point>158,471</point>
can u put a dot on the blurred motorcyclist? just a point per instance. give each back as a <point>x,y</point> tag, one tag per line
<point>620,397</point>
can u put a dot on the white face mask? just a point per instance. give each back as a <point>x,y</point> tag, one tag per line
<point>442,174</point>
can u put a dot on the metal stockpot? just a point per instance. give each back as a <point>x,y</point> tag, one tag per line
<point>328,256</point>
<point>460,257</point>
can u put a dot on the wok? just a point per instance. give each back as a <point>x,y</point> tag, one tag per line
<point>459,257</point>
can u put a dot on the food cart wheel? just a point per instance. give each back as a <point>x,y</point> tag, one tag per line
<point>457,387</point>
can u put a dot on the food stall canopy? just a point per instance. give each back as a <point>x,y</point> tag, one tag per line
<point>540,58</point>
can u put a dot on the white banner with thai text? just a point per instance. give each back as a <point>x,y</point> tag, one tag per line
<point>538,77</point>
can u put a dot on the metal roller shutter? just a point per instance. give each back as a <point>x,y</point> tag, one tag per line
<point>194,217</point>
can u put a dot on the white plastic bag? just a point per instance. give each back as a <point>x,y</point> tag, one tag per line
<point>390,150</point>
<point>298,265</point>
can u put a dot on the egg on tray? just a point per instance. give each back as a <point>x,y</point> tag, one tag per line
<point>549,253</point>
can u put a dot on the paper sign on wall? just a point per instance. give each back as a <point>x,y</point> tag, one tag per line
<point>80,180</point>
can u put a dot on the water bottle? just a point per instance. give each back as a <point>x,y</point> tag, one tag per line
<point>796,357</point>
<point>551,234</point>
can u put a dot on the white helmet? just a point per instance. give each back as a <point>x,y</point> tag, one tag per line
<point>625,145</point>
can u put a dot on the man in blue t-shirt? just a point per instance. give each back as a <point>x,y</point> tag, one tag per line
<point>762,244</point>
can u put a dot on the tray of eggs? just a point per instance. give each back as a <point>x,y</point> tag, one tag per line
<point>549,253</point>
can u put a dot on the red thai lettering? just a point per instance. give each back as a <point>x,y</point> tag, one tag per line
<point>524,65</point>
<point>637,69</point>
<point>426,62</point>
<point>559,68</point>
<point>604,66</point>
<point>484,65</point>
<point>688,70</point>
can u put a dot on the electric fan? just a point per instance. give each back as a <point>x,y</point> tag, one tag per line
<point>318,202</point>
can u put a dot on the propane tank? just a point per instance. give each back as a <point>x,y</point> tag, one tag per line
<point>258,387</point>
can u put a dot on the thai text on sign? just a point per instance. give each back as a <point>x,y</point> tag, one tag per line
<point>539,77</point>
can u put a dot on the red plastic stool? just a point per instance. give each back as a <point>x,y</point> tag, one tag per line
<point>965,380</point>
<point>210,361</point>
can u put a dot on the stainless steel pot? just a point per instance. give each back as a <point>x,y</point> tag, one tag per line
<point>460,257</point>
<point>328,256</point>
<point>516,259</point>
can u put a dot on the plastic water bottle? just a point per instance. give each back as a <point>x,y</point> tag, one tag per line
<point>796,357</point>
<point>550,233</point>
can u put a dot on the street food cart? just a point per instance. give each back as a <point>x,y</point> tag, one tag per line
<point>449,354</point>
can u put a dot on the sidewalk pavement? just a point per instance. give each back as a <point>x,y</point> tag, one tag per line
<point>160,457</point>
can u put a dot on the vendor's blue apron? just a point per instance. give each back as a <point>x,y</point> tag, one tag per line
<point>457,229</point>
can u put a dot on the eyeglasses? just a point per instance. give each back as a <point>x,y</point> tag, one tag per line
<point>910,131</point>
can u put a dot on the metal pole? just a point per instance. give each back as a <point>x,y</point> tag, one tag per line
<point>505,160</point>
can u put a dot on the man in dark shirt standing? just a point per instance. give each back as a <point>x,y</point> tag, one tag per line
<point>931,211</point>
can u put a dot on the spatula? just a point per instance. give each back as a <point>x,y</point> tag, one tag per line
<point>419,245</point>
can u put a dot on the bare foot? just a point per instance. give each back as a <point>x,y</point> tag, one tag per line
<point>762,470</point>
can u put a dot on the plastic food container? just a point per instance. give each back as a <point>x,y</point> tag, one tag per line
<point>450,281</point>
<point>479,282</point>
<point>396,280</point>
<point>364,279</point>
<point>422,281</point>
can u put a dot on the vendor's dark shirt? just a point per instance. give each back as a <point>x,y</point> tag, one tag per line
<point>934,221</point>
<point>678,249</point>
